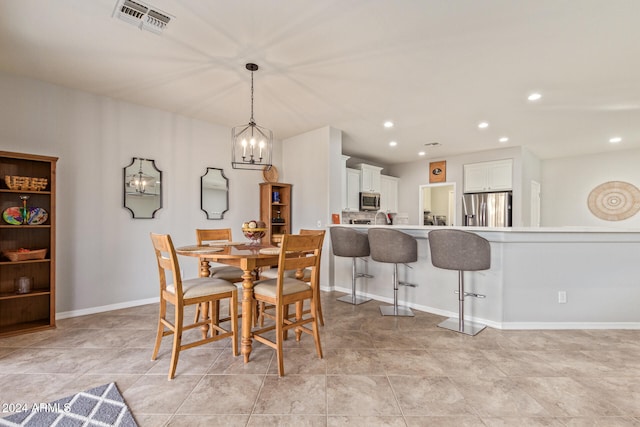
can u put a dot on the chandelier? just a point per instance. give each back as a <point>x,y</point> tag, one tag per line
<point>252,144</point>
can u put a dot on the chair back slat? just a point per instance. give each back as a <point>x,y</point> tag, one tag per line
<point>167,262</point>
<point>211,235</point>
<point>321,233</point>
<point>299,251</point>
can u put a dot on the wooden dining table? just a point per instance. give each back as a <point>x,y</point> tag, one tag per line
<point>247,256</point>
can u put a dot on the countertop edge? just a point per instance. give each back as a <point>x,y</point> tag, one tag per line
<point>522,234</point>
<point>498,229</point>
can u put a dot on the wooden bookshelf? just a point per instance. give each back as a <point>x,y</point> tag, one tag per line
<point>275,213</point>
<point>34,310</point>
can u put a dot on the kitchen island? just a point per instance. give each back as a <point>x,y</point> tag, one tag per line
<point>597,270</point>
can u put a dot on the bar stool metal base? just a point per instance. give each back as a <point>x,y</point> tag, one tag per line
<point>395,309</point>
<point>390,310</point>
<point>353,299</point>
<point>469,328</point>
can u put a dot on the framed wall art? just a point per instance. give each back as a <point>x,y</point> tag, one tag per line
<point>438,171</point>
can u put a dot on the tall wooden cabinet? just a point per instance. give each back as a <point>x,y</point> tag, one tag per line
<point>275,209</point>
<point>33,310</point>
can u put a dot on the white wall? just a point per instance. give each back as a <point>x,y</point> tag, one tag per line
<point>104,256</point>
<point>306,158</point>
<point>567,182</point>
<point>531,171</point>
<point>313,161</point>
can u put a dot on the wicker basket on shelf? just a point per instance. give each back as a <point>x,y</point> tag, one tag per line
<point>25,255</point>
<point>25,183</point>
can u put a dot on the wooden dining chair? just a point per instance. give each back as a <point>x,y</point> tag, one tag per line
<point>226,272</point>
<point>183,293</point>
<point>297,252</point>
<point>272,273</point>
<point>207,236</point>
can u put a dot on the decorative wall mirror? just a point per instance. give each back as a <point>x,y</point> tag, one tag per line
<point>142,188</point>
<point>214,193</point>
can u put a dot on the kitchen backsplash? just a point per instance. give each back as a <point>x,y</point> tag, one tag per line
<point>374,217</point>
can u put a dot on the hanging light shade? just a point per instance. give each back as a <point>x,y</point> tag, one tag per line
<point>252,144</point>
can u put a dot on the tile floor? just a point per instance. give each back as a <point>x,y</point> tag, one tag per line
<point>376,371</point>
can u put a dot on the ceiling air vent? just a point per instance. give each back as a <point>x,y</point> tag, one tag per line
<point>142,15</point>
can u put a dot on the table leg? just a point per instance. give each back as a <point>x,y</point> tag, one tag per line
<point>203,308</point>
<point>247,313</point>
<point>205,268</point>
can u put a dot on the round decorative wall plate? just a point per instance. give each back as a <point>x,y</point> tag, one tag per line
<point>35,216</point>
<point>271,174</point>
<point>614,200</point>
<point>13,215</point>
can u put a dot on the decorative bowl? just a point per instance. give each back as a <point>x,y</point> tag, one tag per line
<point>254,230</point>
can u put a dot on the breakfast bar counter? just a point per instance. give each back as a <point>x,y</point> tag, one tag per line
<point>595,270</point>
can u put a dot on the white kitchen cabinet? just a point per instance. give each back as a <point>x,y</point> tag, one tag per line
<point>369,177</point>
<point>488,176</point>
<point>389,193</point>
<point>352,190</point>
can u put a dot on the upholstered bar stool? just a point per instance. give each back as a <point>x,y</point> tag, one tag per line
<point>394,247</point>
<point>349,243</point>
<point>461,251</point>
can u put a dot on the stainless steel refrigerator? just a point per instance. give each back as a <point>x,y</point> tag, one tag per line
<point>487,209</point>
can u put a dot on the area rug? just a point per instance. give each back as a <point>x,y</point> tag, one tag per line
<point>100,406</point>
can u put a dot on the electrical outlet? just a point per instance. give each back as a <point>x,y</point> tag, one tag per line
<point>562,297</point>
<point>319,224</point>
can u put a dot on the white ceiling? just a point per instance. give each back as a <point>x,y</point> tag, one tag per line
<point>434,67</point>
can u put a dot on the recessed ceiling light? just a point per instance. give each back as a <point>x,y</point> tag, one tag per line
<point>483,125</point>
<point>392,144</point>
<point>504,139</point>
<point>615,140</point>
<point>388,124</point>
<point>534,96</point>
<point>421,153</point>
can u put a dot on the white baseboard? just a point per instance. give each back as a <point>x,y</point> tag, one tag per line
<point>504,325</point>
<point>569,325</point>
<point>103,308</point>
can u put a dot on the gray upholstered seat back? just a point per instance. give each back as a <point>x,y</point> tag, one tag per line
<point>459,250</point>
<point>348,242</point>
<point>392,246</point>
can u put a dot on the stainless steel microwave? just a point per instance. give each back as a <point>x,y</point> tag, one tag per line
<point>369,201</point>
